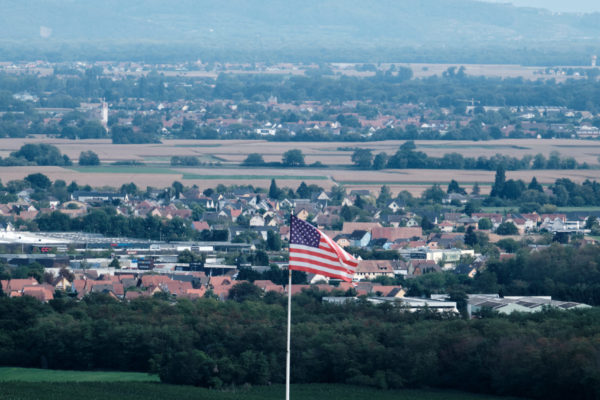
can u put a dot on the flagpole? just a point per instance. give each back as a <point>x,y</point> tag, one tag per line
<point>289,331</point>
<point>289,325</point>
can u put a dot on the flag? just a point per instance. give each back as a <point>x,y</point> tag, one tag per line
<point>312,251</point>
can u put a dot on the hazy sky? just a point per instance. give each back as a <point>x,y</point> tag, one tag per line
<point>557,5</point>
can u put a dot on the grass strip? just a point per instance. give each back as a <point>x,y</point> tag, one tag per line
<point>157,391</point>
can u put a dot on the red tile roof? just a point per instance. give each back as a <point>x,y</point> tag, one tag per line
<point>393,234</point>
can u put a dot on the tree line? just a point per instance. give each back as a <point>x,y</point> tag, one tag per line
<point>217,344</point>
<point>408,157</point>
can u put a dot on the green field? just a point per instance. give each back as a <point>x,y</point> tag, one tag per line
<point>29,383</point>
<point>157,391</point>
<point>9,374</point>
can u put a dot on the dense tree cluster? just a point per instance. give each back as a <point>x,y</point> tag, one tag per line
<point>408,157</point>
<point>214,344</point>
<point>36,154</point>
<point>532,197</point>
<point>107,222</point>
<point>89,158</point>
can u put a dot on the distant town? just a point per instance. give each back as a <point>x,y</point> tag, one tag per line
<point>137,102</point>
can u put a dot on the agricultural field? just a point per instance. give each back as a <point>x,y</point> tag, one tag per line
<point>221,163</point>
<point>157,391</point>
<point>423,70</point>
<point>12,374</point>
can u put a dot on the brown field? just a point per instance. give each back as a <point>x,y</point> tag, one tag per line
<point>421,70</point>
<point>235,151</point>
<point>231,153</point>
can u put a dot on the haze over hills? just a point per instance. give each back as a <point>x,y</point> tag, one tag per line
<point>579,6</point>
<point>269,25</point>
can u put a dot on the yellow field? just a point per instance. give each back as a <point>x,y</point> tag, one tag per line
<point>222,160</point>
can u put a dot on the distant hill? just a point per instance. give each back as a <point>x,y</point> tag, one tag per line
<point>286,25</point>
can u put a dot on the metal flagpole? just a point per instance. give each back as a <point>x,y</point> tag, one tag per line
<point>289,325</point>
<point>289,331</point>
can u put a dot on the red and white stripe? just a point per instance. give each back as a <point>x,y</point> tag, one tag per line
<point>328,259</point>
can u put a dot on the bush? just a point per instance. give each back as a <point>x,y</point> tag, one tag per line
<point>88,158</point>
<point>253,159</point>
<point>507,228</point>
<point>186,161</point>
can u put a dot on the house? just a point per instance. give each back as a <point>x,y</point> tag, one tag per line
<point>257,220</point>
<point>394,206</point>
<point>200,225</point>
<point>392,234</point>
<point>455,198</point>
<point>220,285</point>
<point>342,240</point>
<point>17,285</point>
<point>87,197</point>
<point>420,267</point>
<point>350,227</point>
<point>392,219</point>
<point>269,286</point>
<point>43,293</point>
<point>466,269</point>
<point>360,238</point>
<point>371,269</point>
<point>446,226</point>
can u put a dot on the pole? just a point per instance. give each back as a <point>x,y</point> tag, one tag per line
<point>289,335</point>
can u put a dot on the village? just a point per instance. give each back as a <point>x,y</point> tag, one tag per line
<point>246,232</point>
<point>203,100</point>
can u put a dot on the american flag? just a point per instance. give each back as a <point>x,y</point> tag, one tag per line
<point>312,251</point>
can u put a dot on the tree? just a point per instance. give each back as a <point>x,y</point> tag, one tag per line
<point>380,161</point>
<point>186,161</point>
<point>509,245</point>
<point>470,237</point>
<point>484,223</point>
<point>534,185</point>
<point>408,146</point>
<point>434,194</point>
<point>178,188</point>
<point>88,158</point>
<point>426,224</point>
<point>539,161</point>
<point>38,181</point>
<point>293,158</point>
<point>245,291</point>
<point>454,187</point>
<point>384,196</point>
<point>303,191</point>
<point>471,207</point>
<point>274,191</point>
<point>359,202</point>
<point>253,159</point>
<point>362,158</point>
<point>507,228</point>
<point>115,263</point>
<point>346,213</point>
<point>273,241</point>
<point>499,181</point>
<point>190,367</point>
<point>475,190</point>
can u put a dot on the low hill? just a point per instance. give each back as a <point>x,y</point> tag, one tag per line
<point>286,25</point>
